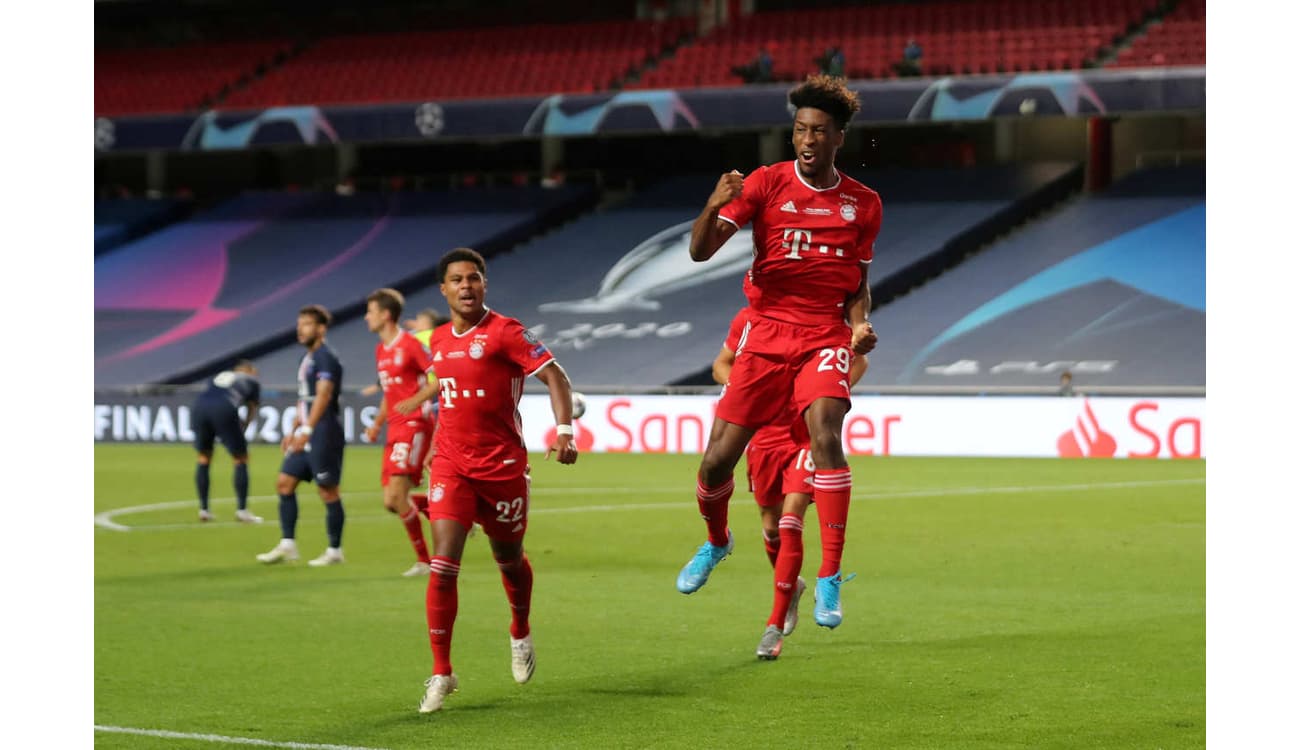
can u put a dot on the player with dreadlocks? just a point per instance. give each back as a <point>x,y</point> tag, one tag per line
<point>814,230</point>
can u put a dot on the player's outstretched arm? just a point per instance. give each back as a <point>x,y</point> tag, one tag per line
<point>709,233</point>
<point>561,390</point>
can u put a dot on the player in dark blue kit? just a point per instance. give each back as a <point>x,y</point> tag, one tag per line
<point>215,414</point>
<point>314,450</point>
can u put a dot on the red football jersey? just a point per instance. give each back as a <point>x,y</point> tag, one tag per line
<point>777,433</point>
<point>402,366</point>
<point>809,243</point>
<point>481,375</point>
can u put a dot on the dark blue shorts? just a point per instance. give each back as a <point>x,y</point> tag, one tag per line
<point>218,419</point>
<point>322,461</point>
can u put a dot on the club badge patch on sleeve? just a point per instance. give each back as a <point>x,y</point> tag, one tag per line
<point>538,348</point>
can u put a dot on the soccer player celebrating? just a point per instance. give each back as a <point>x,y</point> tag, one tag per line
<point>814,230</point>
<point>216,414</point>
<point>480,470</point>
<point>314,450</point>
<point>780,473</point>
<point>402,363</point>
<point>768,457</point>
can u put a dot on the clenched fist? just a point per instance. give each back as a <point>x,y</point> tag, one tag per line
<point>728,189</point>
<point>864,338</point>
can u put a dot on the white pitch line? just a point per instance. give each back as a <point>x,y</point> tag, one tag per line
<point>228,740</point>
<point>105,519</point>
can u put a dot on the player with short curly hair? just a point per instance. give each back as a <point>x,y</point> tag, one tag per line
<point>814,234</point>
<point>829,95</point>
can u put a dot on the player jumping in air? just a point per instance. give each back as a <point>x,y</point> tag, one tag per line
<point>780,473</point>
<point>814,230</point>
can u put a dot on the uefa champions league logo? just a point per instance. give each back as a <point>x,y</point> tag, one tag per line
<point>654,267</point>
<point>105,134</point>
<point>429,119</point>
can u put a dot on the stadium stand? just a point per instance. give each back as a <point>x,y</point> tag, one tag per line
<point>176,79</point>
<point>233,278</point>
<point>120,220</point>
<point>460,63</point>
<point>1177,39</point>
<point>956,37</point>
<point>615,296</point>
<point>1115,277</point>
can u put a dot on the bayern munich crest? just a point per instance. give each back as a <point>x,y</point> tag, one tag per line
<point>476,350</point>
<point>848,212</point>
<point>438,492</point>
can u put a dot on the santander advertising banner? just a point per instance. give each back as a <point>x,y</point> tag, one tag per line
<point>1028,426</point>
<point>910,426</point>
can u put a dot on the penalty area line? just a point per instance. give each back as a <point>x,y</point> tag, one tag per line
<point>166,734</point>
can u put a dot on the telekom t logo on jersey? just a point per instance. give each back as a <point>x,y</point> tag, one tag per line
<point>448,388</point>
<point>1086,439</point>
<point>795,241</point>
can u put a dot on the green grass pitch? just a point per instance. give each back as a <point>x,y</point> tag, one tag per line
<point>998,604</point>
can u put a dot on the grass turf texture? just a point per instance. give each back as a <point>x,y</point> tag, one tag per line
<point>998,604</point>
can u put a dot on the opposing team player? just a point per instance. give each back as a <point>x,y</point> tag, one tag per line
<point>402,363</point>
<point>814,231</point>
<point>314,449</point>
<point>480,470</point>
<point>215,414</point>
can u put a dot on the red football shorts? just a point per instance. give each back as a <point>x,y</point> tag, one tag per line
<point>407,449</point>
<point>778,363</point>
<point>500,506</point>
<point>777,471</point>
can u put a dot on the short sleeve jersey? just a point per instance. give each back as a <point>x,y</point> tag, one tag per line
<point>236,388</point>
<point>402,365</point>
<point>776,434</point>
<point>316,367</point>
<point>810,244</point>
<point>481,375</point>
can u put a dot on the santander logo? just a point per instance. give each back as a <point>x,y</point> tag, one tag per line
<point>1087,439</point>
<point>582,437</point>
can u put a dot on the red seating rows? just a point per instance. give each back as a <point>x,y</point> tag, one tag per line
<point>461,63</point>
<point>1179,39</point>
<point>173,79</point>
<point>955,36</point>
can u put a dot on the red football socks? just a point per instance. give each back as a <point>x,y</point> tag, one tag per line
<point>517,577</point>
<point>831,491</point>
<point>713,508</point>
<point>440,604</point>
<point>415,530</point>
<point>788,562</point>
<point>772,546</point>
